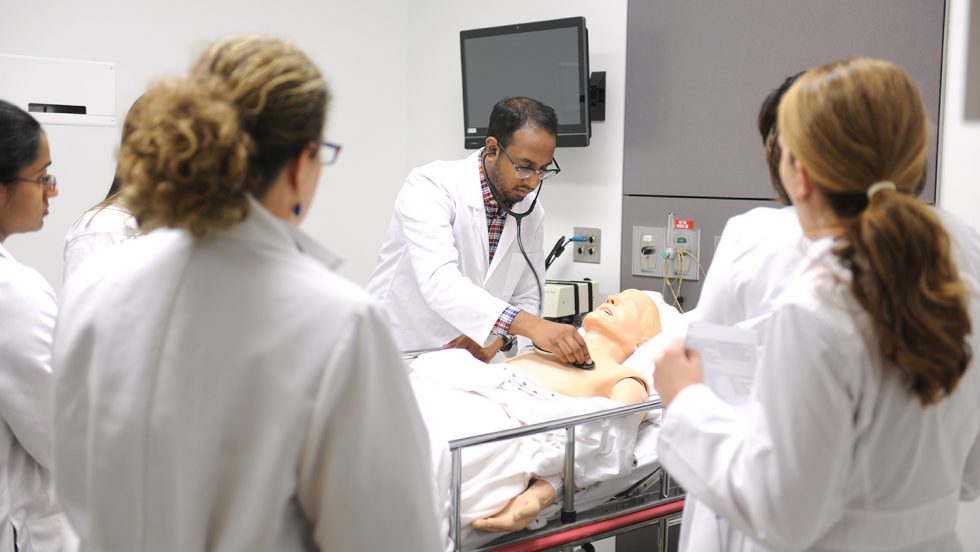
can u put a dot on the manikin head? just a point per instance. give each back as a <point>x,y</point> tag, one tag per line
<point>622,323</point>
<point>521,134</point>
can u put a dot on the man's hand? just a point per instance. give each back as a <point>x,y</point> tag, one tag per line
<point>562,340</point>
<point>483,354</point>
<point>676,369</point>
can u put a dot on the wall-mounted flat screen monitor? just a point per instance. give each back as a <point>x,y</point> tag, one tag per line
<point>544,60</point>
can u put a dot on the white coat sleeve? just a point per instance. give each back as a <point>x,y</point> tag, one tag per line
<point>426,212</point>
<point>526,293</point>
<point>365,476</point>
<point>777,469</point>
<point>27,401</point>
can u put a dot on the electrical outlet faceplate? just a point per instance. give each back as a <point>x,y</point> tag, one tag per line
<point>646,248</point>
<point>587,251</point>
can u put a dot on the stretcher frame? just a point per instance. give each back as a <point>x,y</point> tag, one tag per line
<point>653,500</point>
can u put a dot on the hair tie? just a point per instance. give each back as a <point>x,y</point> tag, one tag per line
<point>879,186</point>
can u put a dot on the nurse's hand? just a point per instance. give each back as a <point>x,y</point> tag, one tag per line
<point>562,340</point>
<point>676,369</point>
<point>484,354</point>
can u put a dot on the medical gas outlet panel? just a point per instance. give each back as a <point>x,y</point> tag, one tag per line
<point>670,252</point>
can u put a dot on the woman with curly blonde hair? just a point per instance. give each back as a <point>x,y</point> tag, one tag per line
<point>863,432</point>
<point>219,386</point>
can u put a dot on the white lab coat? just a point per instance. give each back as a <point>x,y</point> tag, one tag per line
<point>433,273</point>
<point>830,454</point>
<point>233,393</point>
<point>96,230</point>
<point>759,253</point>
<point>27,501</point>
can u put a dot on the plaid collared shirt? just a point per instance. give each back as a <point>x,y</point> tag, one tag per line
<point>495,227</point>
<point>495,215</point>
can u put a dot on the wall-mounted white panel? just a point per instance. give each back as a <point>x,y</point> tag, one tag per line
<point>60,91</point>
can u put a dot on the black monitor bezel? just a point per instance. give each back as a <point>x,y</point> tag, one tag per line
<point>576,135</point>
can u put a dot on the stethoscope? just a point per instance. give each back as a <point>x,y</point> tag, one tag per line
<point>517,217</point>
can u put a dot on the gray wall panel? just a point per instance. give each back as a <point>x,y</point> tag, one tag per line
<point>697,70</point>
<point>709,214</point>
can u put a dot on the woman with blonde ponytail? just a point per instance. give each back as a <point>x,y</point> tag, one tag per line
<point>219,387</point>
<point>864,428</point>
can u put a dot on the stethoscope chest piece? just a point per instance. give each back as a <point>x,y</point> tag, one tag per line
<point>580,366</point>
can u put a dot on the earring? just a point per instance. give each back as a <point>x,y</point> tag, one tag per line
<point>297,209</point>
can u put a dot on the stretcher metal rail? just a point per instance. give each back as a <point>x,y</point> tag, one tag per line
<point>643,511</point>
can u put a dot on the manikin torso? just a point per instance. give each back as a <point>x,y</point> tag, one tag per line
<point>571,381</point>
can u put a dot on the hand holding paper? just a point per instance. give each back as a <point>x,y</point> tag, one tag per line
<point>722,357</point>
<point>676,369</point>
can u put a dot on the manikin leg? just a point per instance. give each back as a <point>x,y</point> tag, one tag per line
<point>521,510</point>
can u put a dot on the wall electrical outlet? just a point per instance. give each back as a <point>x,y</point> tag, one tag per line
<point>587,251</point>
<point>684,249</point>
<point>647,247</point>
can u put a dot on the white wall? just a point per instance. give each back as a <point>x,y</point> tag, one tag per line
<point>394,69</point>
<point>588,192</point>
<point>959,189</point>
<point>959,177</point>
<point>360,48</point>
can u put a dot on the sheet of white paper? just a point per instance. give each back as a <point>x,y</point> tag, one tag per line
<point>728,357</point>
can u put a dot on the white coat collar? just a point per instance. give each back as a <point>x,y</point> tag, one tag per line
<point>263,227</point>
<point>472,191</point>
<point>6,254</point>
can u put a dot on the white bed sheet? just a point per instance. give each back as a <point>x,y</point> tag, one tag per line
<point>646,462</point>
<point>460,397</point>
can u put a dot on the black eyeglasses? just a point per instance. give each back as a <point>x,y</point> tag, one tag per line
<point>48,181</point>
<point>524,173</point>
<point>329,152</point>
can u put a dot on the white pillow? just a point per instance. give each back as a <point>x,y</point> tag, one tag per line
<point>673,325</point>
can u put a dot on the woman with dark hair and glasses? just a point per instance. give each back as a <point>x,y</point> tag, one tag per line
<point>30,519</point>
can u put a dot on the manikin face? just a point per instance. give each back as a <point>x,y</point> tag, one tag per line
<point>630,317</point>
<point>24,203</point>
<point>530,147</point>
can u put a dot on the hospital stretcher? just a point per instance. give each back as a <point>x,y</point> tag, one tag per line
<point>644,498</point>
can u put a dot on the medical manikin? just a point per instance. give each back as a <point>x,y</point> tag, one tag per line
<point>505,485</point>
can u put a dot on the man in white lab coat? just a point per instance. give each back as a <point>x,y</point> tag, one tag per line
<point>451,271</point>
<point>760,251</point>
